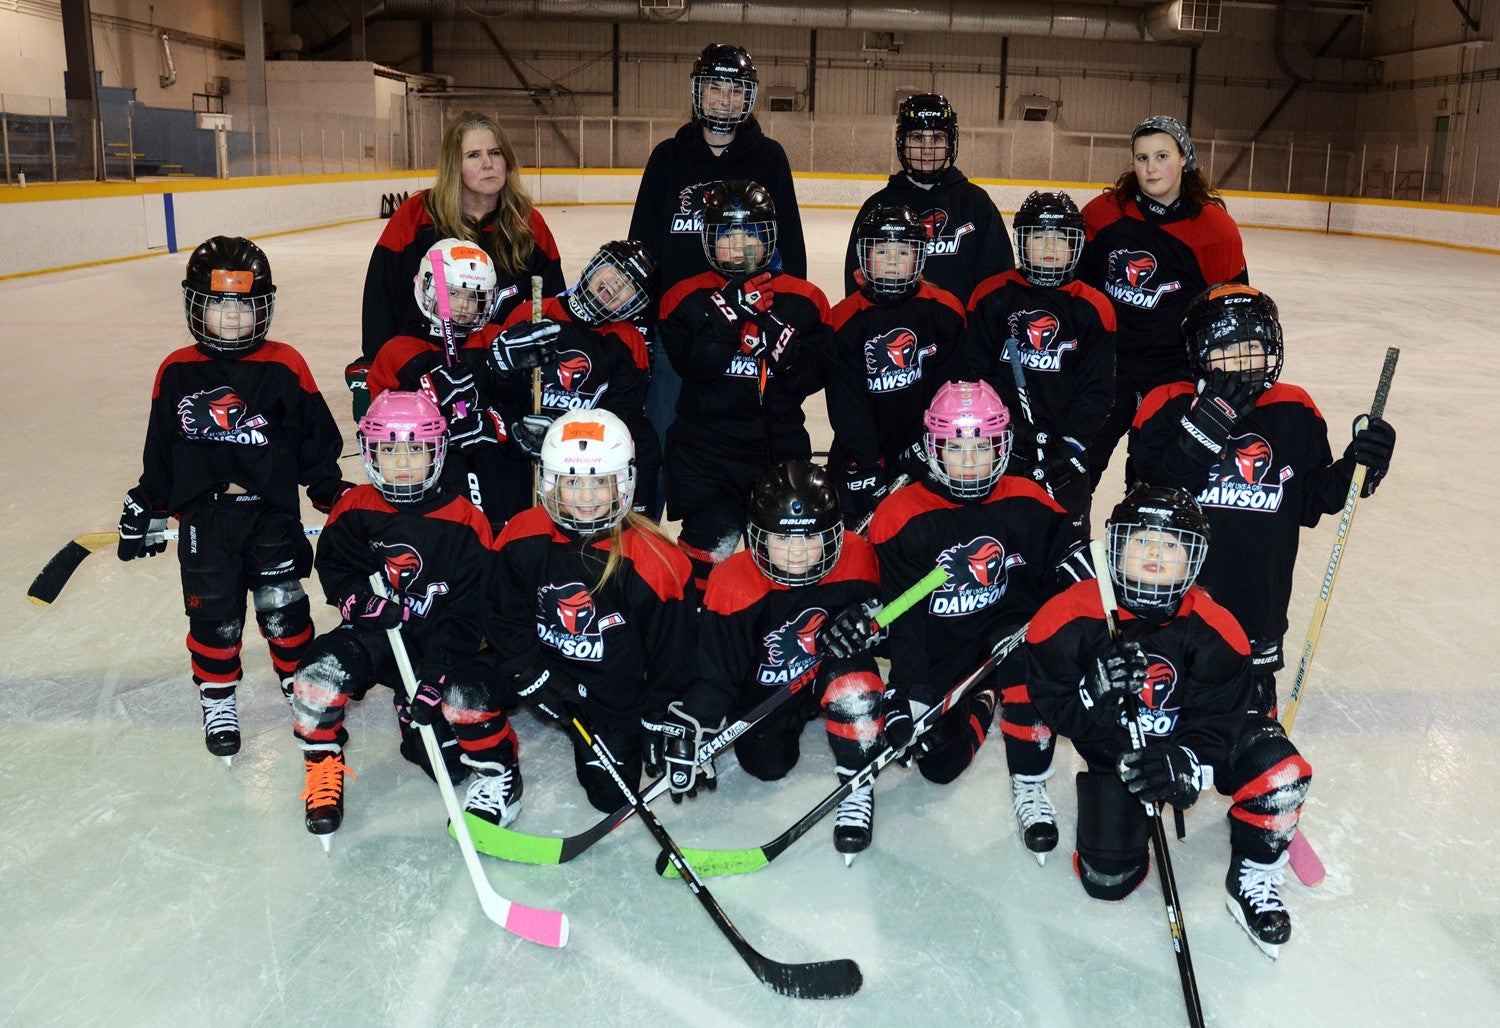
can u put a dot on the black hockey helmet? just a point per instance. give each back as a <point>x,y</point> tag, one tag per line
<point>724,62</point>
<point>926,112</point>
<point>1048,212</point>
<point>796,503</point>
<point>739,205</point>
<point>890,224</point>
<point>1157,539</point>
<point>228,295</point>
<point>601,296</point>
<point>1230,313</point>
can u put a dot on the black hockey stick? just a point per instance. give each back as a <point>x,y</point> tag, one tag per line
<point>523,848</point>
<point>712,863</point>
<point>825,979</point>
<point>1158,830</point>
<point>901,481</point>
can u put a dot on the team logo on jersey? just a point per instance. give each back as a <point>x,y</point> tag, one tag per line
<point>689,214</point>
<point>1035,336</point>
<point>401,567</point>
<point>569,622</point>
<point>563,387</point>
<point>1128,279</point>
<point>742,365</point>
<point>1159,707</point>
<point>220,416</point>
<point>1243,477</point>
<point>893,360</point>
<point>978,576</point>
<point>935,221</point>
<point>792,650</point>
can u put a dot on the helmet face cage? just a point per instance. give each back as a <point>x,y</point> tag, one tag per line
<point>588,471</point>
<point>927,112</point>
<point>725,85</point>
<point>966,423</point>
<point>891,245</point>
<point>617,284</point>
<point>404,439</point>
<point>739,228</point>
<point>1049,222</point>
<point>228,295</point>
<point>1235,328</point>
<point>1157,540</point>
<point>473,291</point>
<point>795,529</point>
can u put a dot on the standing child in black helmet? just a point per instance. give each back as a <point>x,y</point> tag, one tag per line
<point>236,424</point>
<point>967,242</point>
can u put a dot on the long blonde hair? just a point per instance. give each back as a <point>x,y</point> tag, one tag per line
<point>649,532</point>
<point>512,241</point>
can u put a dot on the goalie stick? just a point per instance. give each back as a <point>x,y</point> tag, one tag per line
<point>49,583</point>
<point>544,927</point>
<point>520,847</point>
<point>712,863</point>
<point>825,979</point>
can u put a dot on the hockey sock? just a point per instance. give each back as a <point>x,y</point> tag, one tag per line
<point>1028,740</point>
<point>288,631</point>
<point>214,650</point>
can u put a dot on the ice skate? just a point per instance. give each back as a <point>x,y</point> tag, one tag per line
<point>1255,901</point>
<point>324,793</point>
<point>495,793</point>
<point>221,723</point>
<point>1035,816</point>
<point>854,822</point>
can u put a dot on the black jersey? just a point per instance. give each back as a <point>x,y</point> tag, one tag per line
<point>1003,555</point>
<point>1197,679</point>
<point>967,241</point>
<point>390,304</point>
<point>885,365</point>
<point>431,554</point>
<point>1277,477</point>
<point>668,217</point>
<point>256,421</point>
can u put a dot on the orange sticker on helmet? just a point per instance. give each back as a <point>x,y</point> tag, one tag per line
<point>584,430</point>
<point>222,281</point>
<point>469,253</point>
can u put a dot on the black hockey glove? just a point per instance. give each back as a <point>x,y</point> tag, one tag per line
<point>1059,461</point>
<point>544,690</point>
<point>361,608</point>
<point>1162,773</point>
<point>899,724</point>
<point>682,736</point>
<point>142,532</point>
<point>852,631</point>
<point>745,300</point>
<point>476,426</point>
<point>863,486</point>
<point>1374,442</point>
<point>1223,399</point>
<point>781,343</point>
<point>450,387</point>
<point>525,345</point>
<point>528,433</point>
<point>1117,674</point>
<point>426,707</point>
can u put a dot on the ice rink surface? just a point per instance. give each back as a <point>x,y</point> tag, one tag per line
<point>143,883</point>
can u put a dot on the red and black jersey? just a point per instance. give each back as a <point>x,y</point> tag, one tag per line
<point>432,555</point>
<point>756,635</point>
<point>967,241</point>
<point>390,304</point>
<point>628,643</point>
<point>1277,477</point>
<point>257,421</point>
<point>721,409</point>
<point>885,364</point>
<point>1066,340</point>
<point>1003,555</point>
<point>1152,262</point>
<point>1198,676</point>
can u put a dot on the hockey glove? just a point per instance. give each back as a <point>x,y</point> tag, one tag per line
<point>1374,442</point>
<point>360,608</point>
<point>1223,399</point>
<point>895,708</point>
<point>1118,674</point>
<point>781,343</point>
<point>1059,461</point>
<point>450,387</point>
<point>528,432</point>
<point>685,736</point>
<point>525,345</point>
<point>326,495</point>
<point>476,426</point>
<point>852,631</point>
<point>543,689</point>
<point>1162,773</point>
<point>863,486</point>
<point>426,707</point>
<point>142,532</point>
<point>656,733</point>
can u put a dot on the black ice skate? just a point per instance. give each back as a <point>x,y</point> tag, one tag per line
<point>323,793</point>
<point>854,822</point>
<point>495,793</point>
<point>1035,815</point>
<point>1255,901</point>
<point>221,722</point>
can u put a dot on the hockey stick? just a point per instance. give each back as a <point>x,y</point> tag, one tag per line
<point>445,314</point>
<point>901,481</point>
<point>509,844</point>
<point>1013,354</point>
<point>825,979</point>
<point>544,927</point>
<point>712,863</point>
<point>49,582</point>
<point>1158,831</point>
<point>536,387</point>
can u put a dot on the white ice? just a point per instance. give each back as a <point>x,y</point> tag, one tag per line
<point>144,883</point>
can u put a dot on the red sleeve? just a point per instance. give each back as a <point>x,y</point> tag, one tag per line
<point>661,565</point>
<point>802,287</point>
<point>846,309</point>
<point>543,236</point>
<point>629,337</point>
<point>1096,299</point>
<point>929,291</point>
<point>1215,241</point>
<point>685,288</point>
<point>1099,213</point>
<point>401,229</point>
<point>533,521</point>
<point>993,283</point>
<point>1157,398</point>
<point>1197,601</point>
<point>280,353</point>
<point>735,585</point>
<point>393,356</point>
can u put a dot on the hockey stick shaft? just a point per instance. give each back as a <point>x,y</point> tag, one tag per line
<point>828,979</point>
<point>536,386</point>
<point>444,305</point>
<point>1013,354</point>
<point>901,481</point>
<point>544,927</point>
<point>1158,831</point>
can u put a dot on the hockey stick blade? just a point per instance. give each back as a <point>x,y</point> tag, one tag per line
<point>1304,861</point>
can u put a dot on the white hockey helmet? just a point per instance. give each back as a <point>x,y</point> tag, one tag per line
<point>472,284</point>
<point>588,471</point>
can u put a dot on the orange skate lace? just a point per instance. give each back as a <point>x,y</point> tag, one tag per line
<point>325,783</point>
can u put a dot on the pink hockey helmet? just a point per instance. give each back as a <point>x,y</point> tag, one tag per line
<point>404,439</point>
<point>968,438</point>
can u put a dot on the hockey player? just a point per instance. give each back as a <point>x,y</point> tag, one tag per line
<point>1185,659</point>
<point>1007,547</point>
<point>600,360</point>
<point>430,546</point>
<point>495,447</point>
<point>1254,450</point>
<point>747,340</point>
<point>762,615</point>
<point>587,605</point>
<point>236,424</point>
<point>895,341</point>
<point>1046,342</point>
<point>967,241</point>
